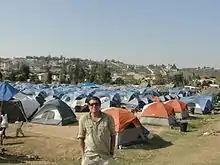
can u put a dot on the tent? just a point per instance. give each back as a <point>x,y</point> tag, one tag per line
<point>29,104</point>
<point>89,85</point>
<point>7,91</point>
<point>158,113</point>
<point>54,112</point>
<point>105,98</point>
<point>203,105</point>
<point>128,127</point>
<point>180,108</point>
<point>151,92</point>
<point>14,110</point>
<point>75,100</point>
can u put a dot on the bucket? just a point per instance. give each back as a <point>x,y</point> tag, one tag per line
<point>183,126</point>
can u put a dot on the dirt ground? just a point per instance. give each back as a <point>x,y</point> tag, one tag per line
<point>58,145</point>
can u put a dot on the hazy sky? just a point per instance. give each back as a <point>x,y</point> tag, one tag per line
<point>185,32</point>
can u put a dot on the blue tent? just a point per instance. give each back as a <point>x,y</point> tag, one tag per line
<point>7,91</point>
<point>187,100</point>
<point>204,105</point>
<point>89,85</point>
<point>150,92</point>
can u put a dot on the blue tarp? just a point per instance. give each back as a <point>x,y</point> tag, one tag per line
<point>89,85</point>
<point>205,104</point>
<point>7,91</point>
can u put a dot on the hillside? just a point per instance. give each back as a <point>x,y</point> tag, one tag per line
<point>37,65</point>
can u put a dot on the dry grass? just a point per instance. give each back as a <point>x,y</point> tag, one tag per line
<point>57,145</point>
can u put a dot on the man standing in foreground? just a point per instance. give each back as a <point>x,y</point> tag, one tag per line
<point>97,135</point>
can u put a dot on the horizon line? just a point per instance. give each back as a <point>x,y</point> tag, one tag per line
<point>100,60</point>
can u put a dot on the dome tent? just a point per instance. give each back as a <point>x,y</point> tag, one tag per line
<point>158,113</point>
<point>127,126</point>
<point>54,112</point>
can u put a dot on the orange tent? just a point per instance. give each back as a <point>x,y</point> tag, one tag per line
<point>158,110</point>
<point>122,118</point>
<point>177,105</point>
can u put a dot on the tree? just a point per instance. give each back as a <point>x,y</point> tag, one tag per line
<point>205,83</point>
<point>48,58</point>
<point>198,83</point>
<point>70,72</point>
<point>63,72</point>
<point>49,77</point>
<point>13,75</point>
<point>119,81</point>
<point>190,78</point>
<point>82,75</point>
<point>49,74</point>
<point>25,69</point>
<point>148,83</point>
<point>79,72</point>
<point>193,76</point>
<point>34,78</point>
<point>21,77</point>
<point>197,77</point>
<point>104,74</point>
<point>178,79</point>
<point>93,75</point>
<point>129,79</point>
<point>159,80</point>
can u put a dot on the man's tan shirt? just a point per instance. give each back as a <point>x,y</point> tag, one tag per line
<point>97,135</point>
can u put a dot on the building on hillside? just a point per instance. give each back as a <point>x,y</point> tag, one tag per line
<point>171,68</point>
<point>5,64</point>
<point>42,77</point>
<point>214,85</point>
<point>55,77</point>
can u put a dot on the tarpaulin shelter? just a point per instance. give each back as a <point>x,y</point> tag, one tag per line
<point>7,91</point>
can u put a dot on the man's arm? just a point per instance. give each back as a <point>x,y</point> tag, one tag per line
<point>113,135</point>
<point>81,135</point>
<point>112,145</point>
<point>82,146</point>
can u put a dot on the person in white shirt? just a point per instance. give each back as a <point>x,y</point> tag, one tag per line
<point>19,124</point>
<point>4,123</point>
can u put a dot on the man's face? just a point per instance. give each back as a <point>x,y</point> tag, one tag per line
<point>94,106</point>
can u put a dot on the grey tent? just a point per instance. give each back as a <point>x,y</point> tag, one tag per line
<point>54,112</point>
<point>14,110</point>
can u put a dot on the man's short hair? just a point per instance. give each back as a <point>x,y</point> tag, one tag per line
<point>93,98</point>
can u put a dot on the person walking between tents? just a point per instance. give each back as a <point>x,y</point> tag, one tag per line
<point>4,123</point>
<point>19,124</point>
<point>96,135</point>
<point>1,132</point>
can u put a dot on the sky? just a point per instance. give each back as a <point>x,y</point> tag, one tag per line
<point>184,32</point>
